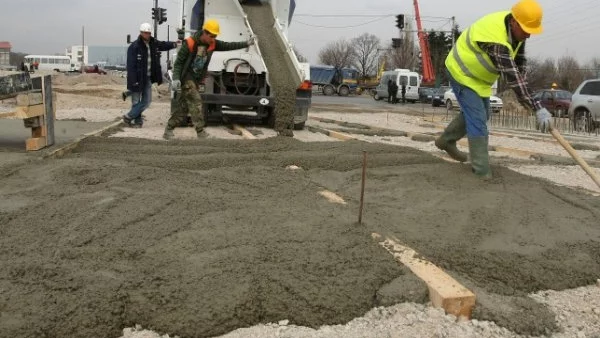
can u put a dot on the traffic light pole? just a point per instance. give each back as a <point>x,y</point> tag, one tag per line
<point>155,18</point>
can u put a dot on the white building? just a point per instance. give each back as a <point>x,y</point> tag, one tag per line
<point>78,55</point>
<point>97,55</point>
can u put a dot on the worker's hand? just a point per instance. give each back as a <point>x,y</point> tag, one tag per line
<point>544,120</point>
<point>175,85</point>
<point>252,40</point>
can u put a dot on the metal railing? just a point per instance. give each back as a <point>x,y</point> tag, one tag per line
<point>520,120</point>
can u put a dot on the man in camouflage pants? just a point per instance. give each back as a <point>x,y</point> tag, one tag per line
<point>190,68</point>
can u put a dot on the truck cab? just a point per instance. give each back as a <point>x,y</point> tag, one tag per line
<point>330,80</point>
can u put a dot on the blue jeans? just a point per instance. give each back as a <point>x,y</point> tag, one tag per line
<point>476,109</point>
<point>139,102</point>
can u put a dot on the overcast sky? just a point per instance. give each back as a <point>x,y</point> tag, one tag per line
<point>47,27</point>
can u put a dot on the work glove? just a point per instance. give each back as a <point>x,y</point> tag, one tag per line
<point>175,85</point>
<point>252,40</point>
<point>544,120</point>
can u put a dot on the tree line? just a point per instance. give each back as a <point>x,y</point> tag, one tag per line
<point>367,52</point>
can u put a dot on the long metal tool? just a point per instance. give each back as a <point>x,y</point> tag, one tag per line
<point>575,155</point>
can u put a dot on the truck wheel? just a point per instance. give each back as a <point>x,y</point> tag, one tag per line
<point>376,97</point>
<point>299,126</point>
<point>328,90</point>
<point>344,91</point>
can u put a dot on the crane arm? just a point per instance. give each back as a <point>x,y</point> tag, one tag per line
<point>428,72</point>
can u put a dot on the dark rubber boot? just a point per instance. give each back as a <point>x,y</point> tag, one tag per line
<point>453,132</point>
<point>168,135</point>
<point>480,161</point>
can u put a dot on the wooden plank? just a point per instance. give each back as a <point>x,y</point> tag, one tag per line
<point>245,133</point>
<point>36,143</point>
<point>332,197</point>
<point>30,111</point>
<point>444,291</point>
<point>50,108</point>
<point>8,114</point>
<point>29,99</point>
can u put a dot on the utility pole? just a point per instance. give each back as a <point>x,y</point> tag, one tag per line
<point>168,54</point>
<point>453,23</point>
<point>83,45</point>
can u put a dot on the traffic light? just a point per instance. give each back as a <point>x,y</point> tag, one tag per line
<point>400,21</point>
<point>162,15</point>
<point>420,63</point>
<point>154,13</point>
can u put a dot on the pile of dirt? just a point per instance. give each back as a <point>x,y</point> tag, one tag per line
<point>87,80</point>
<point>199,238</point>
<point>511,104</point>
<point>262,22</point>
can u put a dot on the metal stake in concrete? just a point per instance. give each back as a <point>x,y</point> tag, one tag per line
<point>362,187</point>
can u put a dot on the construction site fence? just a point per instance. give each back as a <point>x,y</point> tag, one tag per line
<point>518,120</point>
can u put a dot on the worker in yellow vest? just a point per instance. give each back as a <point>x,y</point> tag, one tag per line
<point>492,46</point>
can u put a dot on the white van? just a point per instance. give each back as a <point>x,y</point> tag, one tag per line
<point>412,80</point>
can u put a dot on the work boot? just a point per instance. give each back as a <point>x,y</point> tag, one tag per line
<point>480,161</point>
<point>453,132</point>
<point>127,120</point>
<point>201,134</point>
<point>168,134</point>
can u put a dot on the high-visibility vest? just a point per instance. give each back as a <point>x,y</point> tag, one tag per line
<point>468,64</point>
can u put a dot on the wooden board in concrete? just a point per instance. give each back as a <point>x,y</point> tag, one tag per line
<point>444,291</point>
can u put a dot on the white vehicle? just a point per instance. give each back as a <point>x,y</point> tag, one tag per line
<point>57,63</point>
<point>584,110</point>
<point>451,102</point>
<point>411,79</point>
<point>238,82</point>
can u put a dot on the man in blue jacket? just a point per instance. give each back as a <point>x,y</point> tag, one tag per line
<point>143,69</point>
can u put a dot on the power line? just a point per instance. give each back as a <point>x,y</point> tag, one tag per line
<point>339,27</point>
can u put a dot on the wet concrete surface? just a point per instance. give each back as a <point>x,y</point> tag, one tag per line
<point>199,238</point>
<point>13,136</point>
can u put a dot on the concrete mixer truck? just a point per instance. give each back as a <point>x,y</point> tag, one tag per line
<point>250,83</point>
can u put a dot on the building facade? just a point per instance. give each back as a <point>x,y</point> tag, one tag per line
<point>97,55</point>
<point>5,48</point>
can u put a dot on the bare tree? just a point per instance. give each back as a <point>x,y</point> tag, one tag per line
<point>366,52</point>
<point>571,74</point>
<point>541,74</point>
<point>405,56</point>
<point>337,53</point>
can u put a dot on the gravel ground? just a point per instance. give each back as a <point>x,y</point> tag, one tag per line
<point>577,314</point>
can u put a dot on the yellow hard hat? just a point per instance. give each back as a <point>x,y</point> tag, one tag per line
<point>528,14</point>
<point>212,26</point>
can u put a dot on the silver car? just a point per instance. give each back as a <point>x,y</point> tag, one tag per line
<point>584,111</point>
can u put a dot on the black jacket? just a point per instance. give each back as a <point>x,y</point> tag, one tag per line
<point>137,62</point>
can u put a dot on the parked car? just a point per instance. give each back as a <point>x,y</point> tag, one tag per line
<point>584,111</point>
<point>438,96</point>
<point>451,103</point>
<point>93,69</point>
<point>426,94</point>
<point>556,101</point>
